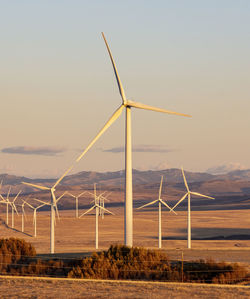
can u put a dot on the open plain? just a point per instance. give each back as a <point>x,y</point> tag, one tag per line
<point>220,235</point>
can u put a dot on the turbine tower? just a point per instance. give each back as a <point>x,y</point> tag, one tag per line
<point>188,194</point>
<point>160,202</point>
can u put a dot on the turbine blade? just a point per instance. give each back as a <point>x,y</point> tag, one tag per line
<point>36,186</point>
<point>184,178</point>
<point>87,211</point>
<point>70,194</point>
<point>15,207</point>
<point>17,196</point>
<point>121,90</point>
<point>160,187</point>
<point>102,208</point>
<point>81,194</point>
<point>61,196</point>
<point>40,206</point>
<point>201,195</point>
<point>24,213</point>
<point>183,197</point>
<point>57,213</point>
<point>8,194</point>
<point>103,198</point>
<point>166,205</point>
<point>115,115</point>
<point>148,204</point>
<point>46,203</point>
<point>147,107</point>
<point>28,204</point>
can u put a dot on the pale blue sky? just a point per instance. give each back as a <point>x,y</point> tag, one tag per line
<point>57,85</point>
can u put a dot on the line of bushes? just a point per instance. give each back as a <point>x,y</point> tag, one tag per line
<point>18,257</point>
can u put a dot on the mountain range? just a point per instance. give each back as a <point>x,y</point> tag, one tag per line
<point>234,183</point>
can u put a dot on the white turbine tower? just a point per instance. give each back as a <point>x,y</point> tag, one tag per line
<point>188,194</point>
<point>160,202</point>
<point>34,213</point>
<point>77,200</point>
<point>23,215</point>
<point>97,208</point>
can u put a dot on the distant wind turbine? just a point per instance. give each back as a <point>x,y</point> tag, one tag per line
<point>102,203</point>
<point>97,208</point>
<point>13,207</point>
<point>77,200</point>
<point>160,202</point>
<point>7,202</point>
<point>34,213</point>
<point>188,194</point>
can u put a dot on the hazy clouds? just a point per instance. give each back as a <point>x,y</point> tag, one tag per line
<point>33,150</point>
<point>143,148</point>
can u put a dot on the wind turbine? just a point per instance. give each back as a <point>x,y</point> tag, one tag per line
<point>34,213</point>
<point>102,203</point>
<point>97,208</point>
<point>127,104</point>
<point>7,202</point>
<point>13,207</point>
<point>76,198</point>
<point>23,215</point>
<point>160,202</point>
<point>53,207</point>
<point>99,200</point>
<point>188,194</point>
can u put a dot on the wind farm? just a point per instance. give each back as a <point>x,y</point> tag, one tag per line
<point>91,182</point>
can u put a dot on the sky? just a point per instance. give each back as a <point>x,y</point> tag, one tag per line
<point>57,85</point>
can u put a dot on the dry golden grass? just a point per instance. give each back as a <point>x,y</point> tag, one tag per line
<point>56,288</point>
<point>76,235</point>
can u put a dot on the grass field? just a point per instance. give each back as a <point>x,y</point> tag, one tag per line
<point>211,230</point>
<point>221,235</point>
<point>61,288</point>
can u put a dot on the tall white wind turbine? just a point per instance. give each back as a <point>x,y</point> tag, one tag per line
<point>127,104</point>
<point>160,202</point>
<point>188,194</point>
